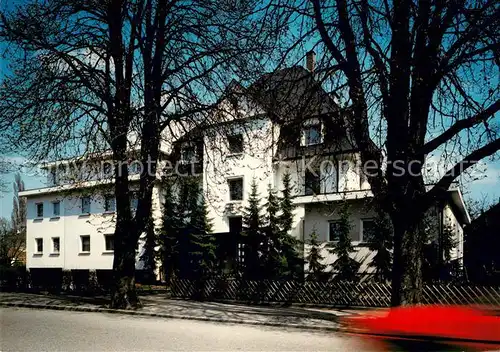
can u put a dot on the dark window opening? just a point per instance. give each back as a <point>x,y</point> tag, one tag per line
<point>235,224</point>
<point>39,245</point>
<point>85,205</point>
<point>236,189</point>
<point>312,183</point>
<point>334,231</point>
<point>235,144</point>
<point>109,203</point>
<point>368,234</point>
<point>56,244</point>
<point>110,242</point>
<point>85,243</point>
<point>39,210</point>
<point>56,208</point>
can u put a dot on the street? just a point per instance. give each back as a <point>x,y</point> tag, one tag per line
<point>46,330</point>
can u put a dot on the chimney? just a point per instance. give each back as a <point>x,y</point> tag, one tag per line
<point>311,60</point>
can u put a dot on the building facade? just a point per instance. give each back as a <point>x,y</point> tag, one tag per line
<point>284,123</point>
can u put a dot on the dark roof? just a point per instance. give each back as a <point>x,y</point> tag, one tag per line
<point>291,94</point>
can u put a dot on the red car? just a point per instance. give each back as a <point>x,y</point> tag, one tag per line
<point>430,328</point>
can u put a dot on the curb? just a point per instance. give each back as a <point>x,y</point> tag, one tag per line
<point>173,316</point>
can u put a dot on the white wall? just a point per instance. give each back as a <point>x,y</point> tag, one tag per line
<point>69,226</point>
<point>318,216</point>
<point>219,166</point>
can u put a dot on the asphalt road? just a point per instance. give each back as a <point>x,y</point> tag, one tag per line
<point>45,330</point>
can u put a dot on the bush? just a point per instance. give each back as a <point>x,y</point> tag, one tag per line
<point>13,278</point>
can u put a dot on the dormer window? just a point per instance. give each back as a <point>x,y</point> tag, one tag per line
<point>312,133</point>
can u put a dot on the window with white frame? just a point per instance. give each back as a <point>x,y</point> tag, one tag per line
<point>39,210</point>
<point>235,189</point>
<point>56,208</point>
<point>109,241</point>
<point>85,205</point>
<point>367,230</point>
<point>328,175</point>
<point>85,244</point>
<point>312,133</point>
<point>107,169</point>
<point>109,203</point>
<point>39,245</point>
<point>56,245</point>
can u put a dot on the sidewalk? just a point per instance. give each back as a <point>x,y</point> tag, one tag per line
<point>160,306</point>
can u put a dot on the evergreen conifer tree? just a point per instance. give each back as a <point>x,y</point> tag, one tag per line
<point>274,260</point>
<point>381,243</point>
<point>253,235</point>
<point>314,259</point>
<point>171,226</point>
<point>292,263</point>
<point>345,267</point>
<point>202,242</point>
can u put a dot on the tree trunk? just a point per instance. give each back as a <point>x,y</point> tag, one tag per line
<point>407,264</point>
<point>123,294</point>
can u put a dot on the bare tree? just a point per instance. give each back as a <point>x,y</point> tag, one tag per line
<point>100,76</point>
<point>419,78</point>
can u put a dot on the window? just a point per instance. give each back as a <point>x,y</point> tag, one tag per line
<point>334,231</point>
<point>235,189</point>
<point>312,183</point>
<point>135,168</point>
<point>312,134</point>
<point>133,203</point>
<point>85,243</point>
<point>110,243</point>
<point>235,225</point>
<point>53,177</point>
<point>367,230</point>
<point>86,205</point>
<point>188,153</point>
<point>56,244</point>
<point>107,170</point>
<point>39,210</point>
<point>235,144</point>
<point>56,208</point>
<point>39,245</point>
<point>109,203</point>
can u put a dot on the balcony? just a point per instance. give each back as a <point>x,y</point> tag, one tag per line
<point>332,197</point>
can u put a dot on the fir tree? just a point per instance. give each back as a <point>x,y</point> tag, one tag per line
<point>293,263</point>
<point>253,234</point>
<point>202,242</point>
<point>382,245</point>
<point>344,266</point>
<point>286,204</point>
<point>274,259</point>
<point>316,270</point>
<point>171,226</point>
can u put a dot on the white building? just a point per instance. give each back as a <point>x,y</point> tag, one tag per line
<point>285,122</point>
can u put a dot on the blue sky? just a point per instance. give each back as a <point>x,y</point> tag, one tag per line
<point>488,186</point>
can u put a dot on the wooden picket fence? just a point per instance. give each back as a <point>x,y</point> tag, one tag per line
<point>351,294</point>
